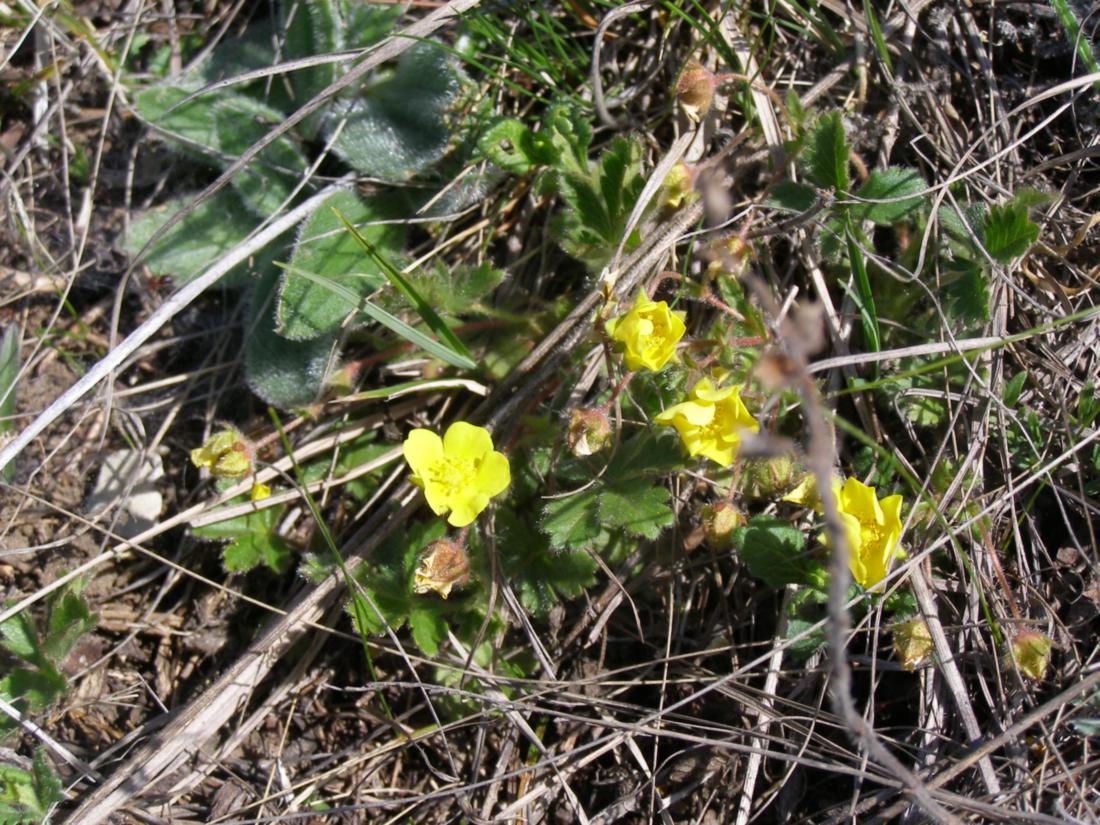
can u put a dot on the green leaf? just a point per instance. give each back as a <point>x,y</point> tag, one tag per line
<point>776,552</point>
<point>328,276</point>
<point>570,134</point>
<point>387,583</point>
<point>451,350</point>
<point>202,236</point>
<point>825,158</point>
<point>1012,389</point>
<point>807,607</point>
<point>38,688</point>
<point>282,372</point>
<point>574,521</point>
<point>18,636</point>
<point>635,506</point>
<point>967,293</point>
<point>1088,405</point>
<point>27,795</point>
<point>427,625</point>
<point>505,143</point>
<point>877,38</point>
<point>791,197</point>
<point>219,127</point>
<point>1008,232</point>
<point>458,291</point>
<point>535,572</point>
<point>399,128</point>
<point>69,618</point>
<point>269,180</point>
<point>253,538</point>
<point>884,184</point>
<point>962,225</point>
<point>647,454</point>
<point>598,203</point>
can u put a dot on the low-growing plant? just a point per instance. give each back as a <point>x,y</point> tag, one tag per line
<point>36,681</point>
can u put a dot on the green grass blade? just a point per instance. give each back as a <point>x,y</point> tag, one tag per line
<point>876,36</point>
<point>457,354</point>
<point>9,371</point>
<point>865,299</point>
<point>1080,41</point>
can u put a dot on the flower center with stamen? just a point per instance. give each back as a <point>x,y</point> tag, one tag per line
<point>453,474</point>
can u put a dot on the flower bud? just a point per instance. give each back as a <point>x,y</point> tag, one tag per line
<point>720,519</point>
<point>728,256</point>
<point>1031,653</point>
<point>441,566</point>
<point>695,90</point>
<point>589,432</point>
<point>225,454</point>
<point>678,187</point>
<point>769,478</point>
<point>912,643</point>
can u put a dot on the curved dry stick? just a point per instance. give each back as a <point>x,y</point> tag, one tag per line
<point>598,102</point>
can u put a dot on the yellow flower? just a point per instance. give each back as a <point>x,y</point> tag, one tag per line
<point>873,528</point>
<point>225,455</point>
<point>649,333</point>
<point>710,421</point>
<point>259,492</point>
<point>459,472</point>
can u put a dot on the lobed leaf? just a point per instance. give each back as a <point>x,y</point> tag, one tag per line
<point>893,184</point>
<point>825,158</point>
<point>775,551</point>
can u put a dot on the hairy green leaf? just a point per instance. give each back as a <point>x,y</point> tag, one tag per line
<point>1008,232</point>
<point>776,552</point>
<point>896,184</point>
<point>219,127</point>
<point>825,158</point>
<point>202,236</point>
<point>636,506</point>
<point>282,372</point>
<point>791,197</point>
<point>573,521</point>
<point>328,276</point>
<point>399,128</point>
<point>967,293</point>
<point>253,540</point>
<point>26,795</point>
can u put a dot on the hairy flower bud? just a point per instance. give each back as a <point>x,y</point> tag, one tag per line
<point>720,519</point>
<point>589,432</point>
<point>441,566</point>
<point>912,643</point>
<point>225,454</point>
<point>678,187</point>
<point>1031,653</point>
<point>769,478</point>
<point>695,90</point>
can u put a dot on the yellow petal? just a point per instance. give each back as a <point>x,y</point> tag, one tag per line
<point>494,475</point>
<point>466,442</point>
<point>466,508</point>
<point>422,449</point>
